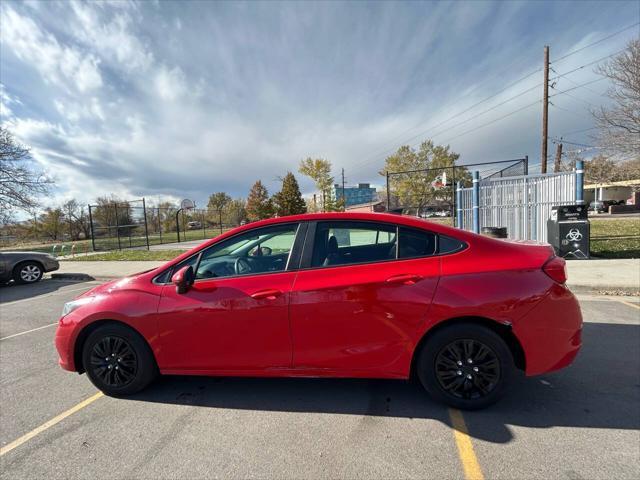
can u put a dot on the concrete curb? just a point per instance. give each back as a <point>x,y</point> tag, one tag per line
<point>75,276</point>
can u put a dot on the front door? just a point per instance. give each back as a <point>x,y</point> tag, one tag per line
<point>362,301</point>
<point>235,317</point>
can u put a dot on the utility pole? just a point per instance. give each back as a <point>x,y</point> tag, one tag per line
<point>556,165</point>
<point>344,201</point>
<point>545,111</point>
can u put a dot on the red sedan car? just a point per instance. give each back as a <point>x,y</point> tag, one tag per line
<point>333,295</point>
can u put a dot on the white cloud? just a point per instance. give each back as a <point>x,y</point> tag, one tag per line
<point>59,64</point>
<point>170,83</point>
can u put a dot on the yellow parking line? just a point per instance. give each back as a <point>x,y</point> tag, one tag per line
<point>628,303</point>
<point>468,457</point>
<point>49,424</point>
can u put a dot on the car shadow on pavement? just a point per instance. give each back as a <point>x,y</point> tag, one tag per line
<point>12,292</point>
<point>600,390</point>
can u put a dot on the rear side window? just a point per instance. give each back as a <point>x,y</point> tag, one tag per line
<point>344,243</point>
<point>449,245</point>
<point>416,243</point>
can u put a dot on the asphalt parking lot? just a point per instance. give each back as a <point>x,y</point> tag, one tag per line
<point>580,423</point>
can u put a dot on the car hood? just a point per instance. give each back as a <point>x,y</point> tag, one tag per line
<point>124,283</point>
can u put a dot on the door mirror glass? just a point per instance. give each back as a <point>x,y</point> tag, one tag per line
<point>183,279</point>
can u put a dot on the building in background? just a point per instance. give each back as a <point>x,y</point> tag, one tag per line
<point>363,193</point>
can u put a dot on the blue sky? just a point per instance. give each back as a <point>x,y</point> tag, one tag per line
<point>181,99</point>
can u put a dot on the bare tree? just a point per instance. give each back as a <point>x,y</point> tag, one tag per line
<point>619,125</point>
<point>19,184</point>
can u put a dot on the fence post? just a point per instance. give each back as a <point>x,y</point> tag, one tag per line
<point>476,201</point>
<point>178,223</point>
<point>459,204</point>
<point>160,225</point>
<point>117,226</point>
<point>146,227</point>
<point>580,182</point>
<point>388,196</point>
<point>526,164</point>
<point>93,236</point>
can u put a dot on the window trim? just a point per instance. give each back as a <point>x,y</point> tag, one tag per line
<point>307,254</point>
<point>300,231</point>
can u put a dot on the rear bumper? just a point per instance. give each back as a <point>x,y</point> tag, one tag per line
<point>551,333</point>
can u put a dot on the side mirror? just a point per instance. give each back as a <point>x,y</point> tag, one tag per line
<point>183,279</point>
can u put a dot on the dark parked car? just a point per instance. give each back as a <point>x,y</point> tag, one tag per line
<point>25,267</point>
<point>603,206</point>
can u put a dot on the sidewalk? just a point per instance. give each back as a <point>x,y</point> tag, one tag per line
<point>604,275</point>
<point>584,275</point>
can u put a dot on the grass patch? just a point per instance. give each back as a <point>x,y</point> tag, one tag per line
<point>129,255</point>
<point>615,238</point>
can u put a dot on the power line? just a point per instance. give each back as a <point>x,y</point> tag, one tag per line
<point>579,131</point>
<point>560,75</point>
<point>596,42</point>
<point>562,140</point>
<point>492,122</point>
<point>431,127</point>
<point>577,86</point>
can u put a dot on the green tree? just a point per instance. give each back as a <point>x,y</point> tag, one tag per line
<point>415,190</point>
<point>217,203</point>
<point>51,223</point>
<point>258,202</point>
<point>319,170</point>
<point>289,201</point>
<point>234,212</point>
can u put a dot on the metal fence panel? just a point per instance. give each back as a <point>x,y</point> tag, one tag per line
<point>522,204</point>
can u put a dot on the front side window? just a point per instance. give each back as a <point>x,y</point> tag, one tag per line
<point>344,243</point>
<point>262,250</point>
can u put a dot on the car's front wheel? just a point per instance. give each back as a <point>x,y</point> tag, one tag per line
<point>28,272</point>
<point>465,365</point>
<point>118,360</point>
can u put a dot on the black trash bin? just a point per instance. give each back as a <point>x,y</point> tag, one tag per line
<point>494,232</point>
<point>568,231</point>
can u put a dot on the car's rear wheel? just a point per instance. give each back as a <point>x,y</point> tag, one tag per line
<point>465,365</point>
<point>118,360</point>
<point>28,272</point>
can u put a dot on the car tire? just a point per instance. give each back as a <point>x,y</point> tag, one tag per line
<point>445,371</point>
<point>28,272</point>
<point>118,360</point>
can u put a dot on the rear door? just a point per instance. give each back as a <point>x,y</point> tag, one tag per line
<point>361,297</point>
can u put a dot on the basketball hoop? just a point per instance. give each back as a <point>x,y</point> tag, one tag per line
<point>187,204</point>
<point>440,181</point>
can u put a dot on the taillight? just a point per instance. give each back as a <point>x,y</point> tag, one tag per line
<point>556,269</point>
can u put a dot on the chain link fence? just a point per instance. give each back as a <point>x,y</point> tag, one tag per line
<point>133,224</point>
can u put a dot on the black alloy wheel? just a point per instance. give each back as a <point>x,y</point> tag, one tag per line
<point>114,361</point>
<point>465,365</point>
<point>467,369</point>
<point>118,360</point>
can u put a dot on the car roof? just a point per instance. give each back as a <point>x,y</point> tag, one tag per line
<point>353,216</point>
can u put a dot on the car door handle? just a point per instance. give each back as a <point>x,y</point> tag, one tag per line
<point>266,294</point>
<point>407,279</point>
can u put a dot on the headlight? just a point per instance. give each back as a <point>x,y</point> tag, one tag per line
<point>73,305</point>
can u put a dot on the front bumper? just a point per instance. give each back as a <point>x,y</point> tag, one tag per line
<point>64,342</point>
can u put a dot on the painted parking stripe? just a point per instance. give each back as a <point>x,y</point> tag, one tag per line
<point>45,426</point>
<point>470,464</point>
<point>40,297</point>
<point>628,303</point>
<point>28,331</point>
